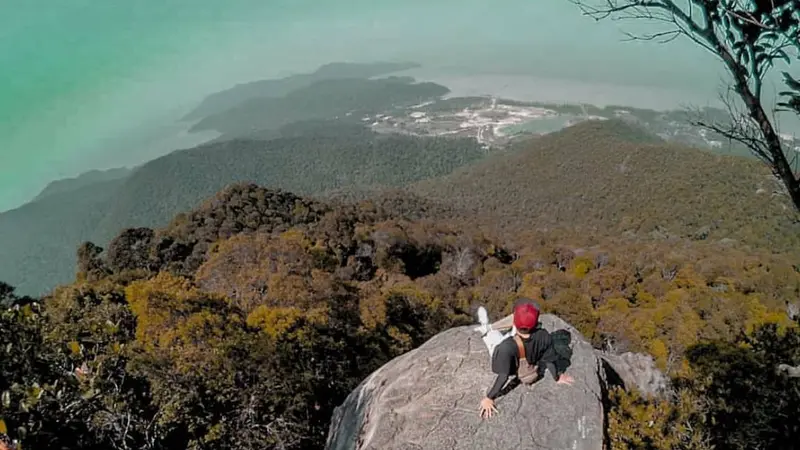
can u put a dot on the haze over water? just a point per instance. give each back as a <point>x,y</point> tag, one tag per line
<point>563,90</point>
<point>87,84</point>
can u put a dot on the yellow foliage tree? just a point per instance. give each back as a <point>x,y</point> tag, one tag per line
<point>637,422</point>
<point>576,308</point>
<point>175,318</point>
<point>278,321</point>
<point>531,288</point>
<point>258,269</point>
<point>581,266</point>
<point>373,310</point>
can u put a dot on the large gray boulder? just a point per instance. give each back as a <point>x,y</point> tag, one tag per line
<point>789,371</point>
<point>428,399</point>
<point>635,371</point>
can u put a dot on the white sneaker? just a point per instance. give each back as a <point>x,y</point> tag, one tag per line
<point>483,320</point>
<point>483,316</point>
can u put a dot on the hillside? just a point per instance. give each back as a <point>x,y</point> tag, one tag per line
<point>85,179</point>
<point>599,177</point>
<point>39,240</point>
<point>304,165</point>
<point>245,322</point>
<point>229,98</point>
<point>588,177</point>
<point>324,99</point>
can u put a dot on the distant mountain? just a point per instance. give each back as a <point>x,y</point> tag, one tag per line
<point>39,240</point>
<point>609,177</point>
<point>338,127</point>
<point>326,99</point>
<point>71,184</point>
<point>229,98</point>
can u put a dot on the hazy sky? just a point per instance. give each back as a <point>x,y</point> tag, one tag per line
<point>95,84</point>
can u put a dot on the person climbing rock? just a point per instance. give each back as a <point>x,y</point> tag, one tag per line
<point>525,352</point>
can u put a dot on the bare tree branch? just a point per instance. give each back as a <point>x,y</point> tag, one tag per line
<point>749,37</point>
<point>661,37</point>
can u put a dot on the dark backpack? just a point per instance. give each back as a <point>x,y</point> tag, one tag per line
<point>561,344</point>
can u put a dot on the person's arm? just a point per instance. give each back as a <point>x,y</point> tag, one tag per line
<point>543,352</point>
<point>499,382</point>
<point>503,366</point>
<point>547,356</point>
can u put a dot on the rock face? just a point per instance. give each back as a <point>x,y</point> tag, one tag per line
<point>791,372</point>
<point>635,370</point>
<point>428,399</point>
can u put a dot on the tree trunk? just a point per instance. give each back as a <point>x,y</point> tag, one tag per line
<point>780,165</point>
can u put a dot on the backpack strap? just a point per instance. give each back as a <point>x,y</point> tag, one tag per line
<point>520,347</point>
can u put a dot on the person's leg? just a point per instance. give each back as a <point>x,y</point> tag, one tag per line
<point>505,323</point>
<point>483,320</point>
<point>492,339</point>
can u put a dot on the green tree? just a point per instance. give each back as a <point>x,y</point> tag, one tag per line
<point>751,404</point>
<point>41,404</point>
<point>636,421</point>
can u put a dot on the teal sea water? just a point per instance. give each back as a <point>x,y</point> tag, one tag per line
<point>95,84</point>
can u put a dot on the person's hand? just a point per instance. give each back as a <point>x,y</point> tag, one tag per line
<point>487,407</point>
<point>565,379</point>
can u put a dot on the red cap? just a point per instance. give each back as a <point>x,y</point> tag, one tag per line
<point>526,316</point>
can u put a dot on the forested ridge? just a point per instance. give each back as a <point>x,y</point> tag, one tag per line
<point>248,314</point>
<point>304,164</point>
<point>315,122</point>
<point>39,239</point>
<point>244,322</point>
<point>227,99</point>
<point>93,177</point>
<point>607,177</point>
<point>323,99</point>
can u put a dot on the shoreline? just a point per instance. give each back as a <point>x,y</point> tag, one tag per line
<point>533,88</point>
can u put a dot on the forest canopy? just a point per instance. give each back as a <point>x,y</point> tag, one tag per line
<point>244,322</point>
<point>39,239</point>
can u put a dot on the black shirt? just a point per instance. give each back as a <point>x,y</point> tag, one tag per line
<point>505,361</point>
